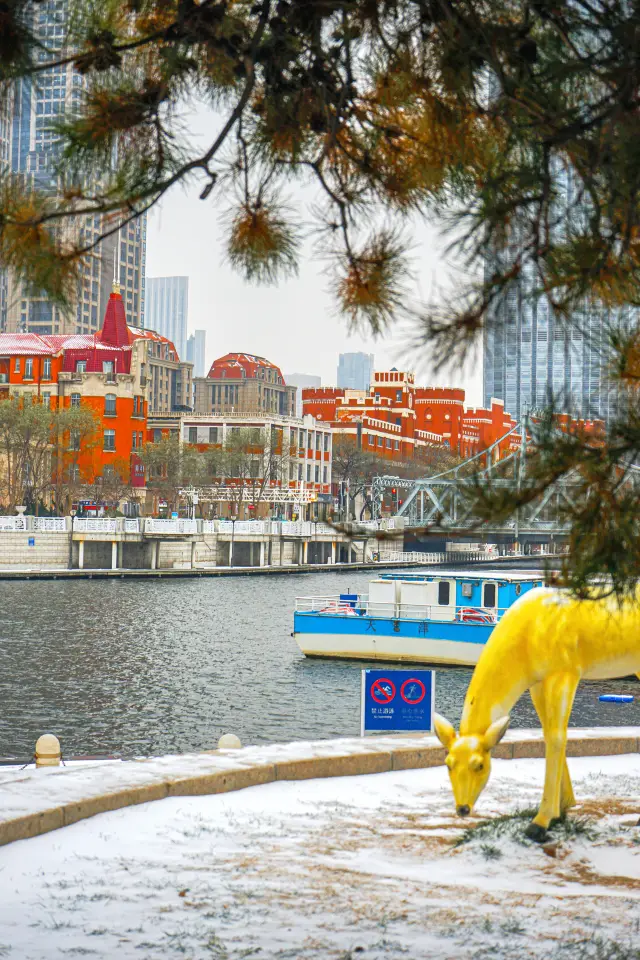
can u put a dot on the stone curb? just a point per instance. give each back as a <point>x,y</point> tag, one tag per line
<point>367,759</point>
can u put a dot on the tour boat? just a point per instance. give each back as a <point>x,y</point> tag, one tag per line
<point>409,618</point>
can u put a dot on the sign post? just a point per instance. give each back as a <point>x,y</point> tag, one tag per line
<point>395,701</point>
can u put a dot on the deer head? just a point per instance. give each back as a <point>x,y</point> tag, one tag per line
<point>468,759</point>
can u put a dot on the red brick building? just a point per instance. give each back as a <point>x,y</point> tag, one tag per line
<point>396,420</point>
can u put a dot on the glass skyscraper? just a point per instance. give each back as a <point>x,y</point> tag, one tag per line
<point>166,309</point>
<point>533,358</point>
<point>196,345</point>
<point>355,371</point>
<point>31,106</point>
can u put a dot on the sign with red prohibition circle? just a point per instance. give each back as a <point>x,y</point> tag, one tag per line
<point>413,696</point>
<point>380,693</point>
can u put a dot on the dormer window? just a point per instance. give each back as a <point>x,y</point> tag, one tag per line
<point>81,366</point>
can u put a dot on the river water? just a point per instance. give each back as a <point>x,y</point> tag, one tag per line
<point>139,667</point>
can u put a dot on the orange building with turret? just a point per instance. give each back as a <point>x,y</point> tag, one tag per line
<point>105,372</point>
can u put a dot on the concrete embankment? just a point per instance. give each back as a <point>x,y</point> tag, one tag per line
<point>530,564</point>
<point>36,801</point>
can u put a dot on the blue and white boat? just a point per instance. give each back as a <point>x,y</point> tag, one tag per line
<point>409,618</point>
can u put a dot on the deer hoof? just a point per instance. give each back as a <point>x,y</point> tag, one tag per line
<point>535,832</point>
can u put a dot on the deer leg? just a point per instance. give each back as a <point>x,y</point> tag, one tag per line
<point>567,797</point>
<point>558,692</point>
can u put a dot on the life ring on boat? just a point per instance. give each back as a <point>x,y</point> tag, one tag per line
<point>336,606</point>
<point>473,615</point>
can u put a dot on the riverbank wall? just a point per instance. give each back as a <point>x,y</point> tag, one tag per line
<point>41,545</point>
<point>37,801</point>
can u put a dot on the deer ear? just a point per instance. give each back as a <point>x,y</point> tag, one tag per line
<point>496,732</point>
<point>444,731</point>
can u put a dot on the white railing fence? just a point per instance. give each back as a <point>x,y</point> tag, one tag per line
<point>49,523</point>
<point>13,523</point>
<point>95,524</point>
<point>398,611</point>
<point>151,525</point>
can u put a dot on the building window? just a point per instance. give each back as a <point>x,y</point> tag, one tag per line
<point>317,474</point>
<point>109,440</point>
<point>377,398</point>
<point>46,399</point>
<point>74,473</point>
<point>134,441</point>
<point>398,396</point>
<point>28,369</point>
<point>75,399</point>
<point>107,367</point>
<point>324,474</point>
<point>16,365</point>
<point>157,436</point>
<point>326,442</point>
<point>397,444</point>
<point>46,369</point>
<point>74,440</point>
<point>193,434</point>
<point>213,434</point>
<point>110,405</point>
<point>388,443</point>
<point>81,366</point>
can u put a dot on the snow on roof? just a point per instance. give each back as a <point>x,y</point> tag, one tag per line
<point>142,333</point>
<point>18,344</point>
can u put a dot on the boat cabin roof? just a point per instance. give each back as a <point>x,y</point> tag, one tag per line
<point>446,575</point>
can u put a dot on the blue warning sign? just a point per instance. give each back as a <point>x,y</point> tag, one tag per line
<point>394,701</point>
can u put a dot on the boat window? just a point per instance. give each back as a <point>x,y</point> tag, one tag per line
<point>489,595</point>
<point>444,589</point>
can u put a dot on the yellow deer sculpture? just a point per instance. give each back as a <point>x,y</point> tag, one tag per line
<point>545,643</point>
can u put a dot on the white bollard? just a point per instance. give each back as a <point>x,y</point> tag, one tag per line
<point>47,751</point>
<point>229,741</point>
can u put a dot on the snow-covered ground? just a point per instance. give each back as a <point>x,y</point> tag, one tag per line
<point>340,868</point>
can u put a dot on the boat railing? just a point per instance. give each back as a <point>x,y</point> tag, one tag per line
<point>398,611</point>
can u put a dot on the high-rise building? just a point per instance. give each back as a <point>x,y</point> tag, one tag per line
<point>300,381</point>
<point>132,256</point>
<point>166,309</point>
<point>6,112</point>
<point>355,370</point>
<point>532,357</point>
<point>196,345</point>
<point>30,107</point>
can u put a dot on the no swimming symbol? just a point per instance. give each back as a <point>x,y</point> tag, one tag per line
<point>383,690</point>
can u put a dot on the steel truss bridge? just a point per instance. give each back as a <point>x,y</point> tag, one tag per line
<point>444,502</point>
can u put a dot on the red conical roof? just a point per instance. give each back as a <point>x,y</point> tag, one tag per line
<point>114,329</point>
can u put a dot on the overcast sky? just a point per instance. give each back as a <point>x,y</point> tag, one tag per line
<point>295,324</point>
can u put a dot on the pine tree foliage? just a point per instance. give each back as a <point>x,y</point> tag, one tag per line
<point>466,109</point>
